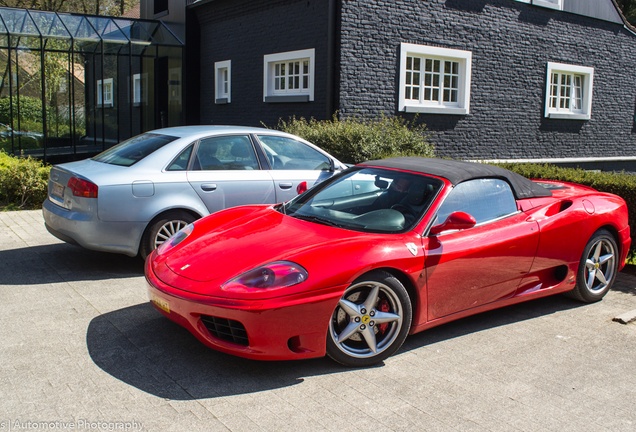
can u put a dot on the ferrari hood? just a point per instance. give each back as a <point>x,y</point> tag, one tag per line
<point>231,242</point>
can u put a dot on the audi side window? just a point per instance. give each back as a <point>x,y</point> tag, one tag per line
<point>231,152</point>
<point>483,199</point>
<point>288,154</point>
<point>181,162</point>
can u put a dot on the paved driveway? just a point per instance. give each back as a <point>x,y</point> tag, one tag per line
<point>82,349</point>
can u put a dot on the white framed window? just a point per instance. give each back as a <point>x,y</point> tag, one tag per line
<point>136,83</point>
<point>569,91</point>
<point>105,92</point>
<point>223,82</point>
<point>289,76</point>
<point>434,80</point>
<point>552,4</point>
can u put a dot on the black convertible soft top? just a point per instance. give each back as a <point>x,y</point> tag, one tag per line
<point>459,171</point>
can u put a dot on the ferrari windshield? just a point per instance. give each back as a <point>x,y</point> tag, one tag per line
<point>368,199</point>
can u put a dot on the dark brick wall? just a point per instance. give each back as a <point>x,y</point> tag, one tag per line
<point>243,31</point>
<point>511,44</point>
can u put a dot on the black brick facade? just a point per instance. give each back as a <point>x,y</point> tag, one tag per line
<point>243,31</point>
<point>511,44</point>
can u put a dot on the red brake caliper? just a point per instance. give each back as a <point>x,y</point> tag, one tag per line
<point>383,307</point>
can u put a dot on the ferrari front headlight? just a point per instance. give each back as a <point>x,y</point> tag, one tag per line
<point>278,274</point>
<point>177,238</point>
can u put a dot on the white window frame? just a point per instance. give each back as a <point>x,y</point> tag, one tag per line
<point>572,112</point>
<point>108,96</point>
<point>301,94</point>
<point>222,96</point>
<point>136,85</point>
<point>552,4</point>
<point>464,59</point>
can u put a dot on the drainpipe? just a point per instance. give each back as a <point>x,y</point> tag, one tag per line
<point>332,57</point>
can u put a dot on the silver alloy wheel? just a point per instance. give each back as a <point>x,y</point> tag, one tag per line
<point>599,266</point>
<point>359,327</point>
<point>167,230</point>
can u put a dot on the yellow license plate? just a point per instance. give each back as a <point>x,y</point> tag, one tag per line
<point>160,303</point>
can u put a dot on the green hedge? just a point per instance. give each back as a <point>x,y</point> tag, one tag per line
<point>23,182</point>
<point>355,140</point>
<point>621,184</point>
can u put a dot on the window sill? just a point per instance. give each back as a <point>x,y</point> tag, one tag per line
<point>286,98</point>
<point>435,110</point>
<point>222,101</point>
<point>559,116</point>
<point>104,106</point>
<point>161,14</point>
<point>548,4</point>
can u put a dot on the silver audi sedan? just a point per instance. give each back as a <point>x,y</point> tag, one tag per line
<point>132,197</point>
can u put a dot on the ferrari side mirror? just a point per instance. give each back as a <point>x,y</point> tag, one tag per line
<point>454,221</point>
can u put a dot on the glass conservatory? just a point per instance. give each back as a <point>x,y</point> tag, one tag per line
<point>74,85</point>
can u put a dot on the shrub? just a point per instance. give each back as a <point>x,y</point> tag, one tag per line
<point>621,184</point>
<point>23,182</point>
<point>30,110</point>
<point>354,140</point>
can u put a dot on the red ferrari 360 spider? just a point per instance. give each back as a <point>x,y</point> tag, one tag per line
<point>386,248</point>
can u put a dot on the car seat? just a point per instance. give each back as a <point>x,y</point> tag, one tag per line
<point>243,150</point>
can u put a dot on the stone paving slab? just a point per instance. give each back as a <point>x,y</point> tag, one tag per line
<point>82,349</point>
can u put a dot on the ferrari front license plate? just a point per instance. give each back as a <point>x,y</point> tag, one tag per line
<point>160,303</point>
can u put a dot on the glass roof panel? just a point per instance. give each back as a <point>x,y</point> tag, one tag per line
<point>18,21</point>
<point>135,33</point>
<point>160,33</point>
<point>49,24</point>
<point>27,26</point>
<point>3,28</point>
<point>165,37</point>
<point>107,29</point>
<point>79,27</point>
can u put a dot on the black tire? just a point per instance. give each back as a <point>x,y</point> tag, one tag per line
<point>355,320</point>
<point>161,228</point>
<point>597,268</point>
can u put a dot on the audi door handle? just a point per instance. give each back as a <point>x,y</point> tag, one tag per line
<point>208,187</point>
<point>285,185</point>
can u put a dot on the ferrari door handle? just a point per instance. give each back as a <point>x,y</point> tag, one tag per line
<point>285,185</point>
<point>208,187</point>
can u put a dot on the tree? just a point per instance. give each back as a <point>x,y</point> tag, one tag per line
<point>93,7</point>
<point>629,10</point>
